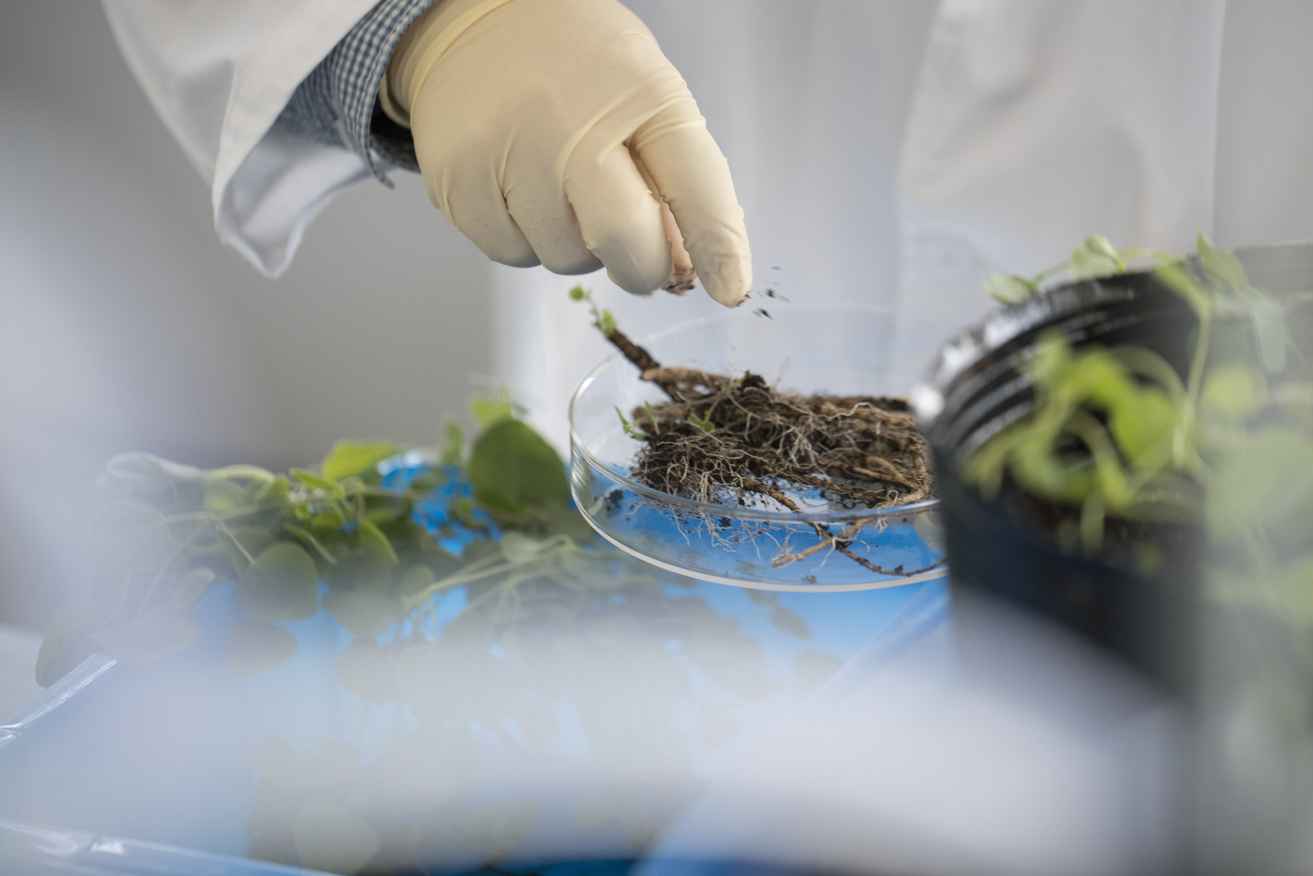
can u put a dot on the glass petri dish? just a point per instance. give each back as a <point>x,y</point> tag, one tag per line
<point>829,350</point>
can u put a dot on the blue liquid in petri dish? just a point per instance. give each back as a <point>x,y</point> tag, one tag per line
<point>770,552</point>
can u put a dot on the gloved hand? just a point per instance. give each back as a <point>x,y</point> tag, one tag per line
<point>553,132</point>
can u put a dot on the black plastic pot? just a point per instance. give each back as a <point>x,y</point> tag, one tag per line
<point>978,386</point>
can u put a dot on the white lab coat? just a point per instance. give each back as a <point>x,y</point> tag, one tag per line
<point>890,153</point>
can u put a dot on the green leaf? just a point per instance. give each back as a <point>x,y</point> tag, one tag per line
<point>567,521</point>
<point>376,547</point>
<point>606,322</point>
<point>1100,379</point>
<point>315,482</point>
<point>427,481</point>
<point>365,610</point>
<point>282,584</point>
<point>1100,247</point>
<point>271,493</point>
<point>462,510</point>
<point>453,445</point>
<point>1144,426</point>
<point>1010,288</point>
<point>1233,392</point>
<point>487,412</point>
<point>331,519</point>
<point>1051,360</point>
<point>628,427</point>
<point>1176,277</point>
<point>224,496</point>
<point>1038,470</point>
<point>241,543</point>
<point>1095,258</point>
<point>1222,265</point>
<point>308,539</point>
<point>987,465</point>
<point>578,293</point>
<point>382,510</point>
<point>512,470</point>
<point>1111,482</point>
<point>702,424</point>
<point>1151,366</point>
<point>349,458</point>
<point>417,578</point>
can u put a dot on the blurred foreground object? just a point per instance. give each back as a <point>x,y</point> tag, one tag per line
<point>1130,454</point>
<point>620,714</point>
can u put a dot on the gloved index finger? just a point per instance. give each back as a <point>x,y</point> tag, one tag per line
<point>682,276</point>
<point>693,177</point>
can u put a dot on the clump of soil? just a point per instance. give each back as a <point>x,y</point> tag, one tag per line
<point>738,439</point>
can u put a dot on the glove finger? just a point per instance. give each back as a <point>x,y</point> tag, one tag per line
<point>693,177</point>
<point>620,220</point>
<point>549,224</point>
<point>475,205</point>
<point>682,276</point>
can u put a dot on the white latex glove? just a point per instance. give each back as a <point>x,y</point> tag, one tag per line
<point>553,132</point>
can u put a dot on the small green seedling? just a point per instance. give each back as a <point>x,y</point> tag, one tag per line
<point>603,319</point>
<point>629,428</point>
<point>702,424</point>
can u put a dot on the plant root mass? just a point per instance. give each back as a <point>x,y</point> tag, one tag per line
<point>740,440</point>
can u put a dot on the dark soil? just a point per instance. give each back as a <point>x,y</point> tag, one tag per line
<point>1146,547</point>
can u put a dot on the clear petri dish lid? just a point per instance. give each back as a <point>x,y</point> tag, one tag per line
<point>823,546</point>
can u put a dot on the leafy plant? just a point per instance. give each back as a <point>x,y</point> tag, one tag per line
<point>1117,432</point>
<point>278,537</point>
<point>1095,257</point>
<point>603,319</point>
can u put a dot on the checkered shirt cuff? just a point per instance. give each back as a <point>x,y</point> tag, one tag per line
<point>337,104</point>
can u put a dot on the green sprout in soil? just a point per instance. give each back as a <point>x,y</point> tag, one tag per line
<point>1126,444</point>
<point>718,439</point>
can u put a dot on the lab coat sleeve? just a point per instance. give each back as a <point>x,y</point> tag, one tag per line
<point>338,103</point>
<point>271,102</point>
